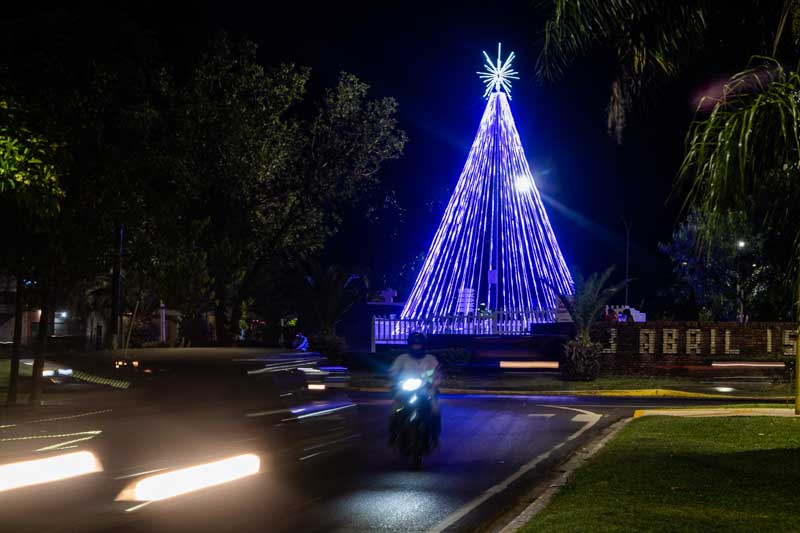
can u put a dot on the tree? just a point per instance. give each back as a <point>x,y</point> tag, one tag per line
<point>751,136</point>
<point>750,141</point>
<point>31,193</point>
<point>720,264</point>
<point>326,295</point>
<point>651,41</point>
<point>581,353</point>
<point>27,172</point>
<point>270,185</point>
<point>91,84</point>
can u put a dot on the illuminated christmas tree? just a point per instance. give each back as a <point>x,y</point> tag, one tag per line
<point>495,248</point>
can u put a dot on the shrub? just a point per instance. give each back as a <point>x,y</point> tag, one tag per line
<point>330,345</point>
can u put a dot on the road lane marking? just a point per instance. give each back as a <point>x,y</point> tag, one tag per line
<point>583,418</point>
<point>542,415</point>
<point>464,510</point>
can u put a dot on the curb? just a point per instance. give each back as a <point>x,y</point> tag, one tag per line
<point>554,484</point>
<point>621,393</point>
<point>705,413</point>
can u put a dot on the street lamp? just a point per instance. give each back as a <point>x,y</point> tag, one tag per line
<point>739,292</point>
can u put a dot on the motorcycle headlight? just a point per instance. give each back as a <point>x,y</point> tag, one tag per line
<point>411,384</point>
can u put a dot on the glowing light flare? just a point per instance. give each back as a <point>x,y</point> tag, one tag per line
<point>497,74</point>
<point>47,470</point>
<point>411,384</point>
<point>186,480</point>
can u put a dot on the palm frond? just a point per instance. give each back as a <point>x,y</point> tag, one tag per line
<point>645,33</point>
<point>590,298</point>
<point>751,136</point>
<point>650,38</point>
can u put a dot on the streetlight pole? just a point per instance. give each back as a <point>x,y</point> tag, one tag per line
<point>741,244</point>
<point>627,256</point>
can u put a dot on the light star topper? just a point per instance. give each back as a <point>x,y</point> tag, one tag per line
<point>497,76</point>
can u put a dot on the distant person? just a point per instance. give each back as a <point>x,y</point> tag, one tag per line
<point>627,316</point>
<point>612,315</point>
<point>300,343</point>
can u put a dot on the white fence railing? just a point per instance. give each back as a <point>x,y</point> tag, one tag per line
<point>397,330</point>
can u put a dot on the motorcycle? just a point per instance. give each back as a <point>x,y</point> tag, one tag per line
<point>413,419</point>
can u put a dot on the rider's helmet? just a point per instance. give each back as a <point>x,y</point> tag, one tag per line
<point>416,345</point>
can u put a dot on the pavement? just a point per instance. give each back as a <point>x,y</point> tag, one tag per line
<point>494,448</point>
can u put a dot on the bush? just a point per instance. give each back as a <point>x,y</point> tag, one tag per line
<point>145,332</point>
<point>452,360</point>
<point>331,346</point>
<point>581,360</point>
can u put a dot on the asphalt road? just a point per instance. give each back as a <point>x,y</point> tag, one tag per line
<point>487,442</point>
<point>492,447</point>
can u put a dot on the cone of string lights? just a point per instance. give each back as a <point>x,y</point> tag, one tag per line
<point>494,252</point>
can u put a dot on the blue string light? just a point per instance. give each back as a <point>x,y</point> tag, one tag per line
<point>495,244</point>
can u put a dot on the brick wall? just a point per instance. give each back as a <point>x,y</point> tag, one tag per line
<point>631,348</point>
<point>647,347</point>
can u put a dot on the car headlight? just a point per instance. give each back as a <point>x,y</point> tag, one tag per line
<point>411,384</point>
<point>55,468</point>
<point>185,480</point>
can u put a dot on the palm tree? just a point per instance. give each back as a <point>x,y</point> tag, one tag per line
<point>327,294</point>
<point>582,354</point>
<point>750,141</point>
<point>652,40</point>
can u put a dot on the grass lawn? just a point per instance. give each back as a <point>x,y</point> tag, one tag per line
<point>686,474</point>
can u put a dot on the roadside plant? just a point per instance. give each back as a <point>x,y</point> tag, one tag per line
<point>581,353</point>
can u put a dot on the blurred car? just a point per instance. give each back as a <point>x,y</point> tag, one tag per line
<point>162,424</point>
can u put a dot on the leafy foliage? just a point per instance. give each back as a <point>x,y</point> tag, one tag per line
<point>748,149</point>
<point>327,294</point>
<point>581,361</point>
<point>650,40</point>
<point>26,168</point>
<point>653,40</point>
<point>715,272</point>
<point>751,136</point>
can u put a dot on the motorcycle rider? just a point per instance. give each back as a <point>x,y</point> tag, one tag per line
<point>417,364</point>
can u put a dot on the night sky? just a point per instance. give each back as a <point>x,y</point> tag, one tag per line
<point>426,55</point>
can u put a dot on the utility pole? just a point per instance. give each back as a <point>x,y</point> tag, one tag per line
<point>797,366</point>
<point>627,257</point>
<point>114,329</point>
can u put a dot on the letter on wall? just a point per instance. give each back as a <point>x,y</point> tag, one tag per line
<point>693,339</point>
<point>669,341</point>
<point>647,341</point>
<point>789,341</point>
<point>612,341</point>
<point>729,350</point>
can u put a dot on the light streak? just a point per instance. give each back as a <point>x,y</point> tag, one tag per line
<point>47,470</point>
<point>528,364</point>
<point>178,482</point>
